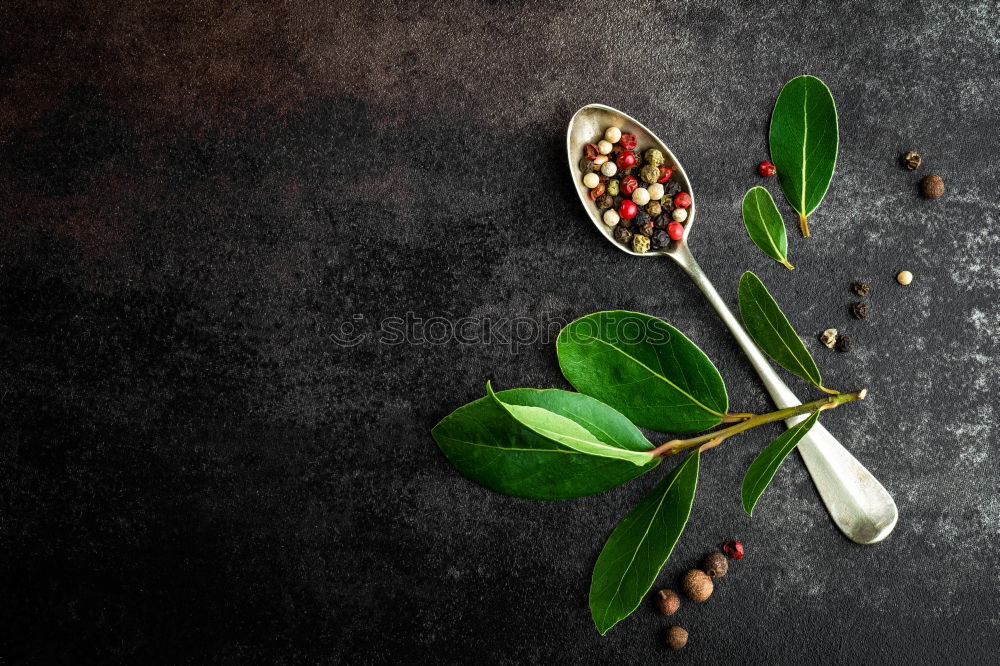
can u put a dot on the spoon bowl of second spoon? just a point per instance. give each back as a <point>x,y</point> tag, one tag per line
<point>587,126</point>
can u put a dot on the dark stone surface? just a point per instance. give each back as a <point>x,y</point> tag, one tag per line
<point>199,199</point>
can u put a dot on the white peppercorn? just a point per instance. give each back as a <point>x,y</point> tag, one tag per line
<point>591,180</point>
<point>613,134</point>
<point>604,147</point>
<point>609,169</point>
<point>640,196</point>
<point>611,217</point>
<point>680,215</point>
<point>655,191</point>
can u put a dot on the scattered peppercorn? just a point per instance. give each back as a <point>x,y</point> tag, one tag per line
<point>932,186</point>
<point>697,585</point>
<point>676,638</point>
<point>829,337</point>
<point>844,343</point>
<point>766,169</point>
<point>911,160</point>
<point>861,289</point>
<point>668,601</point>
<point>715,565</point>
<point>733,549</point>
<point>859,310</point>
<point>904,278</point>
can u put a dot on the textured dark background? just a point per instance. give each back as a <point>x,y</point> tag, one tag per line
<point>200,199</point>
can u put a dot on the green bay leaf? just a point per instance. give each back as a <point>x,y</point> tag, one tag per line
<point>769,328</point>
<point>641,544</point>
<point>767,462</point>
<point>804,138</point>
<point>566,431</point>
<point>644,368</point>
<point>765,226</point>
<point>491,447</point>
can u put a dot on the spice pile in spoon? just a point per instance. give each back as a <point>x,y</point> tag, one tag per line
<point>645,208</point>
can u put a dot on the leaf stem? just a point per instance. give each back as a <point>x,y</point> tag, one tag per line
<point>804,225</point>
<point>713,439</point>
<point>737,417</point>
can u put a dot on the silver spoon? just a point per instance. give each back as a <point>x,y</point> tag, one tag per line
<point>859,505</point>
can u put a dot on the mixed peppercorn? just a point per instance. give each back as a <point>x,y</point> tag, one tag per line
<point>635,191</point>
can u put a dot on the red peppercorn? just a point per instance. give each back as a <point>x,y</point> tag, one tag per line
<point>597,191</point>
<point>590,151</point>
<point>628,209</point>
<point>766,169</point>
<point>665,174</point>
<point>675,230</point>
<point>628,185</point>
<point>625,160</point>
<point>682,200</point>
<point>628,141</point>
<point>733,549</point>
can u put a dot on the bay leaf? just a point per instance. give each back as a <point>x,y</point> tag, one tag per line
<point>765,226</point>
<point>644,368</point>
<point>641,544</point>
<point>767,462</point>
<point>769,328</point>
<point>804,138</point>
<point>566,431</point>
<point>491,447</point>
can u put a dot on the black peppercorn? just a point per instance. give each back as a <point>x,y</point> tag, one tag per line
<point>661,222</point>
<point>586,165</point>
<point>859,310</point>
<point>646,229</point>
<point>861,289</point>
<point>605,201</point>
<point>617,201</point>
<point>667,206</point>
<point>661,239</point>
<point>623,235</point>
<point>715,565</point>
<point>641,217</point>
<point>844,343</point>
<point>671,187</point>
<point>911,160</point>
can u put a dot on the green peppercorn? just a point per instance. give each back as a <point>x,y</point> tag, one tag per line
<point>653,209</point>
<point>649,173</point>
<point>605,201</point>
<point>612,187</point>
<point>640,243</point>
<point>654,157</point>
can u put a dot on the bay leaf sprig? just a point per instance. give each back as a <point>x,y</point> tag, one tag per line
<point>630,369</point>
<point>804,138</point>
<point>765,226</point>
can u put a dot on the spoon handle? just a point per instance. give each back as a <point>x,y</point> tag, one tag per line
<point>859,505</point>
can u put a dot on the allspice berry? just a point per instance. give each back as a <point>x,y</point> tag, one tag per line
<point>668,601</point>
<point>932,186</point>
<point>676,637</point>
<point>715,565</point>
<point>697,585</point>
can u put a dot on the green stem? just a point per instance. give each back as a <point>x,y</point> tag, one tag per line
<point>717,437</point>
<point>804,225</point>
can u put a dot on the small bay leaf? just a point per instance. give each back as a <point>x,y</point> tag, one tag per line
<point>644,368</point>
<point>769,328</point>
<point>491,447</point>
<point>641,544</point>
<point>765,226</point>
<point>804,138</point>
<point>767,462</point>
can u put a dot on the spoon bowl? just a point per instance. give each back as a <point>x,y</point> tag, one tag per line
<point>587,126</point>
